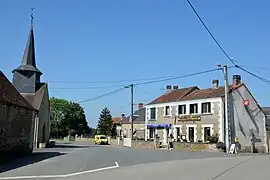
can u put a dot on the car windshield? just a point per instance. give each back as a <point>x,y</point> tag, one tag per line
<point>102,137</point>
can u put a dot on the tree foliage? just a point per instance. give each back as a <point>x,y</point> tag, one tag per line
<point>114,130</point>
<point>67,118</point>
<point>105,123</point>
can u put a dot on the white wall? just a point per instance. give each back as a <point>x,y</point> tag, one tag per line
<point>247,119</point>
<point>187,103</point>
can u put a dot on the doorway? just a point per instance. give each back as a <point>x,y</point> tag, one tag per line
<point>177,133</point>
<point>191,134</point>
<point>207,133</point>
<point>151,133</point>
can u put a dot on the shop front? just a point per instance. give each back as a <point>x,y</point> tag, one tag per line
<point>159,131</point>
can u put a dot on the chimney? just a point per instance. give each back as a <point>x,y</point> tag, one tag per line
<point>123,116</point>
<point>140,105</point>
<point>175,87</point>
<point>215,83</point>
<point>236,80</point>
<point>169,88</point>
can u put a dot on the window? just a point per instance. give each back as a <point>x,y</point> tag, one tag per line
<point>167,110</point>
<point>103,137</point>
<point>152,113</point>
<point>182,109</point>
<point>206,107</point>
<point>193,108</point>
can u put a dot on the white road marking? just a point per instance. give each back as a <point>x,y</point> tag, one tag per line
<point>62,176</point>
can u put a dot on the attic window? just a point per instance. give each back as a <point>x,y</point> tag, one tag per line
<point>193,108</point>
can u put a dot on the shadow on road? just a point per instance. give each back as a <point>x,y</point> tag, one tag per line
<point>8,164</point>
<point>71,146</point>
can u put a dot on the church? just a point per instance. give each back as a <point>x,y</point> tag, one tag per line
<point>26,79</point>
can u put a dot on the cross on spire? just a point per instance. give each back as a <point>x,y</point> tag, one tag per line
<point>29,60</point>
<point>32,15</point>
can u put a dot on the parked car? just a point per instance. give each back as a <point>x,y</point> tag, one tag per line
<point>100,139</point>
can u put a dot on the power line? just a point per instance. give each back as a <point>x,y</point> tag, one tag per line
<point>94,87</point>
<point>179,77</point>
<point>221,48</point>
<point>251,73</point>
<point>210,33</point>
<point>103,95</point>
<point>167,78</point>
<point>151,82</point>
<point>108,81</point>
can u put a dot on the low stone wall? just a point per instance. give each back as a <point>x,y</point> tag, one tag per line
<point>84,139</point>
<point>256,149</point>
<point>135,143</point>
<point>142,144</point>
<point>195,147</point>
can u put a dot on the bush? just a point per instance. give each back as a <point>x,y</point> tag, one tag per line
<point>221,145</point>
<point>213,139</point>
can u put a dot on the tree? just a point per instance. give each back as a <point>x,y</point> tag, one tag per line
<point>59,109</point>
<point>114,130</point>
<point>105,123</point>
<point>67,118</point>
<point>93,132</point>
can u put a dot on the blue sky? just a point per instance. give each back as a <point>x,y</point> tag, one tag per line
<point>89,40</point>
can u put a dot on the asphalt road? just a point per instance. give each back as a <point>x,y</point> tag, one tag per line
<point>134,163</point>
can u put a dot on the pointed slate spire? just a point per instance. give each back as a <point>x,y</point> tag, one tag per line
<point>29,59</point>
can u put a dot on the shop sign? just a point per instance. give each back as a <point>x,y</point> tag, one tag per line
<point>190,118</point>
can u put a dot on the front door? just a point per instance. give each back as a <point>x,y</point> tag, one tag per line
<point>207,133</point>
<point>191,134</point>
<point>151,133</point>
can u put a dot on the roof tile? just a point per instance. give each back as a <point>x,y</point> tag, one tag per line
<point>35,99</point>
<point>174,95</point>
<point>192,93</point>
<point>9,94</point>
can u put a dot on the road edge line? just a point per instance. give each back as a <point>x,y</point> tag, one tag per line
<point>63,176</point>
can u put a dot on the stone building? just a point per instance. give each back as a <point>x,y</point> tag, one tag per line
<point>16,120</point>
<point>194,114</point>
<point>138,124</point>
<point>26,79</point>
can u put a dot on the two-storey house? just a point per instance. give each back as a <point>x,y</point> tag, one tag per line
<point>194,114</point>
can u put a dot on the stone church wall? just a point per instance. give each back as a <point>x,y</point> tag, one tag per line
<point>16,130</point>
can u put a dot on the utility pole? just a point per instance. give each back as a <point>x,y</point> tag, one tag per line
<point>227,140</point>
<point>131,108</point>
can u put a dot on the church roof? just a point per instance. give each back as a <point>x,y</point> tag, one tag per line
<point>9,95</point>
<point>35,99</point>
<point>29,59</point>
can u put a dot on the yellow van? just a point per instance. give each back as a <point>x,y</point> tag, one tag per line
<point>100,139</point>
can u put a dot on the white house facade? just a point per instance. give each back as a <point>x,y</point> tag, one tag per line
<point>169,119</point>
